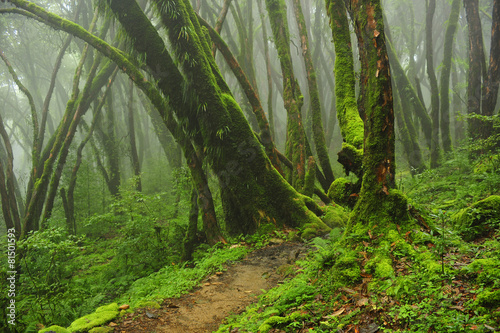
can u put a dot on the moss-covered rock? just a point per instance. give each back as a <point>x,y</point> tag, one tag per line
<point>54,328</point>
<point>335,216</point>
<point>101,316</point>
<point>479,218</point>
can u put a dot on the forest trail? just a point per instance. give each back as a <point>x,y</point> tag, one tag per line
<point>219,295</point>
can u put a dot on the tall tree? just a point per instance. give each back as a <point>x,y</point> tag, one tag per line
<point>314,97</point>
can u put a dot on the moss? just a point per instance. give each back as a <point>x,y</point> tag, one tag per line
<point>380,266</point>
<point>148,304</point>
<point>479,218</point>
<point>346,270</point>
<point>335,216</point>
<point>275,321</point>
<point>54,328</point>
<point>101,316</point>
<point>488,299</point>
<point>101,330</point>
<point>343,192</point>
<point>487,270</point>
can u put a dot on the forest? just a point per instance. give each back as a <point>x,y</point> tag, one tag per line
<point>250,166</point>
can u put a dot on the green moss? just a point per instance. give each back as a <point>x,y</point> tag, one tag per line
<point>479,218</point>
<point>54,328</point>
<point>487,270</point>
<point>346,269</point>
<point>275,321</point>
<point>380,266</point>
<point>148,304</point>
<point>101,316</point>
<point>101,330</point>
<point>489,299</point>
<point>335,216</point>
<point>340,192</point>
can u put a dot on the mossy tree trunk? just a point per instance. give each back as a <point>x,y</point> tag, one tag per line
<point>350,122</point>
<point>429,51</point>
<point>377,199</point>
<point>292,97</point>
<point>315,107</point>
<point>445,75</point>
<point>134,156</point>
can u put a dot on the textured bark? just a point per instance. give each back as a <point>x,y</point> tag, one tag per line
<point>476,67</point>
<point>435,150</point>
<point>377,198</point>
<point>445,75</point>
<point>351,125</point>
<point>315,107</point>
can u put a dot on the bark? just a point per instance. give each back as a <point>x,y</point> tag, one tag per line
<point>131,134</point>
<point>492,82</point>
<point>292,97</point>
<point>445,75</point>
<point>315,107</point>
<point>435,150</point>
<point>476,60</point>
<point>351,125</point>
<point>377,199</point>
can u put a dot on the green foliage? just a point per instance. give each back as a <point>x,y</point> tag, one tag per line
<point>478,219</point>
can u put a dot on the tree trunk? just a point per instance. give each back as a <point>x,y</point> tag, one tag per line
<point>131,134</point>
<point>435,150</point>
<point>316,110</point>
<point>492,81</point>
<point>445,75</point>
<point>377,199</point>
<point>476,61</point>
<point>351,125</point>
<point>190,239</point>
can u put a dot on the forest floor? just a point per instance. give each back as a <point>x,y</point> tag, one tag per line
<point>219,295</point>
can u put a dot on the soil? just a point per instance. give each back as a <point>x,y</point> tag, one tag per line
<point>220,295</point>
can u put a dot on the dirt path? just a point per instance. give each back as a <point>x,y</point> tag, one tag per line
<point>220,295</point>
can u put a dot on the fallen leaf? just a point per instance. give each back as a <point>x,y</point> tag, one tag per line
<point>111,324</point>
<point>337,313</point>
<point>124,307</point>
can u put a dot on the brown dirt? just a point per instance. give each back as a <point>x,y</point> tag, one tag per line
<point>219,295</point>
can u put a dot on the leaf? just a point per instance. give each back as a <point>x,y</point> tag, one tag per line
<point>337,313</point>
